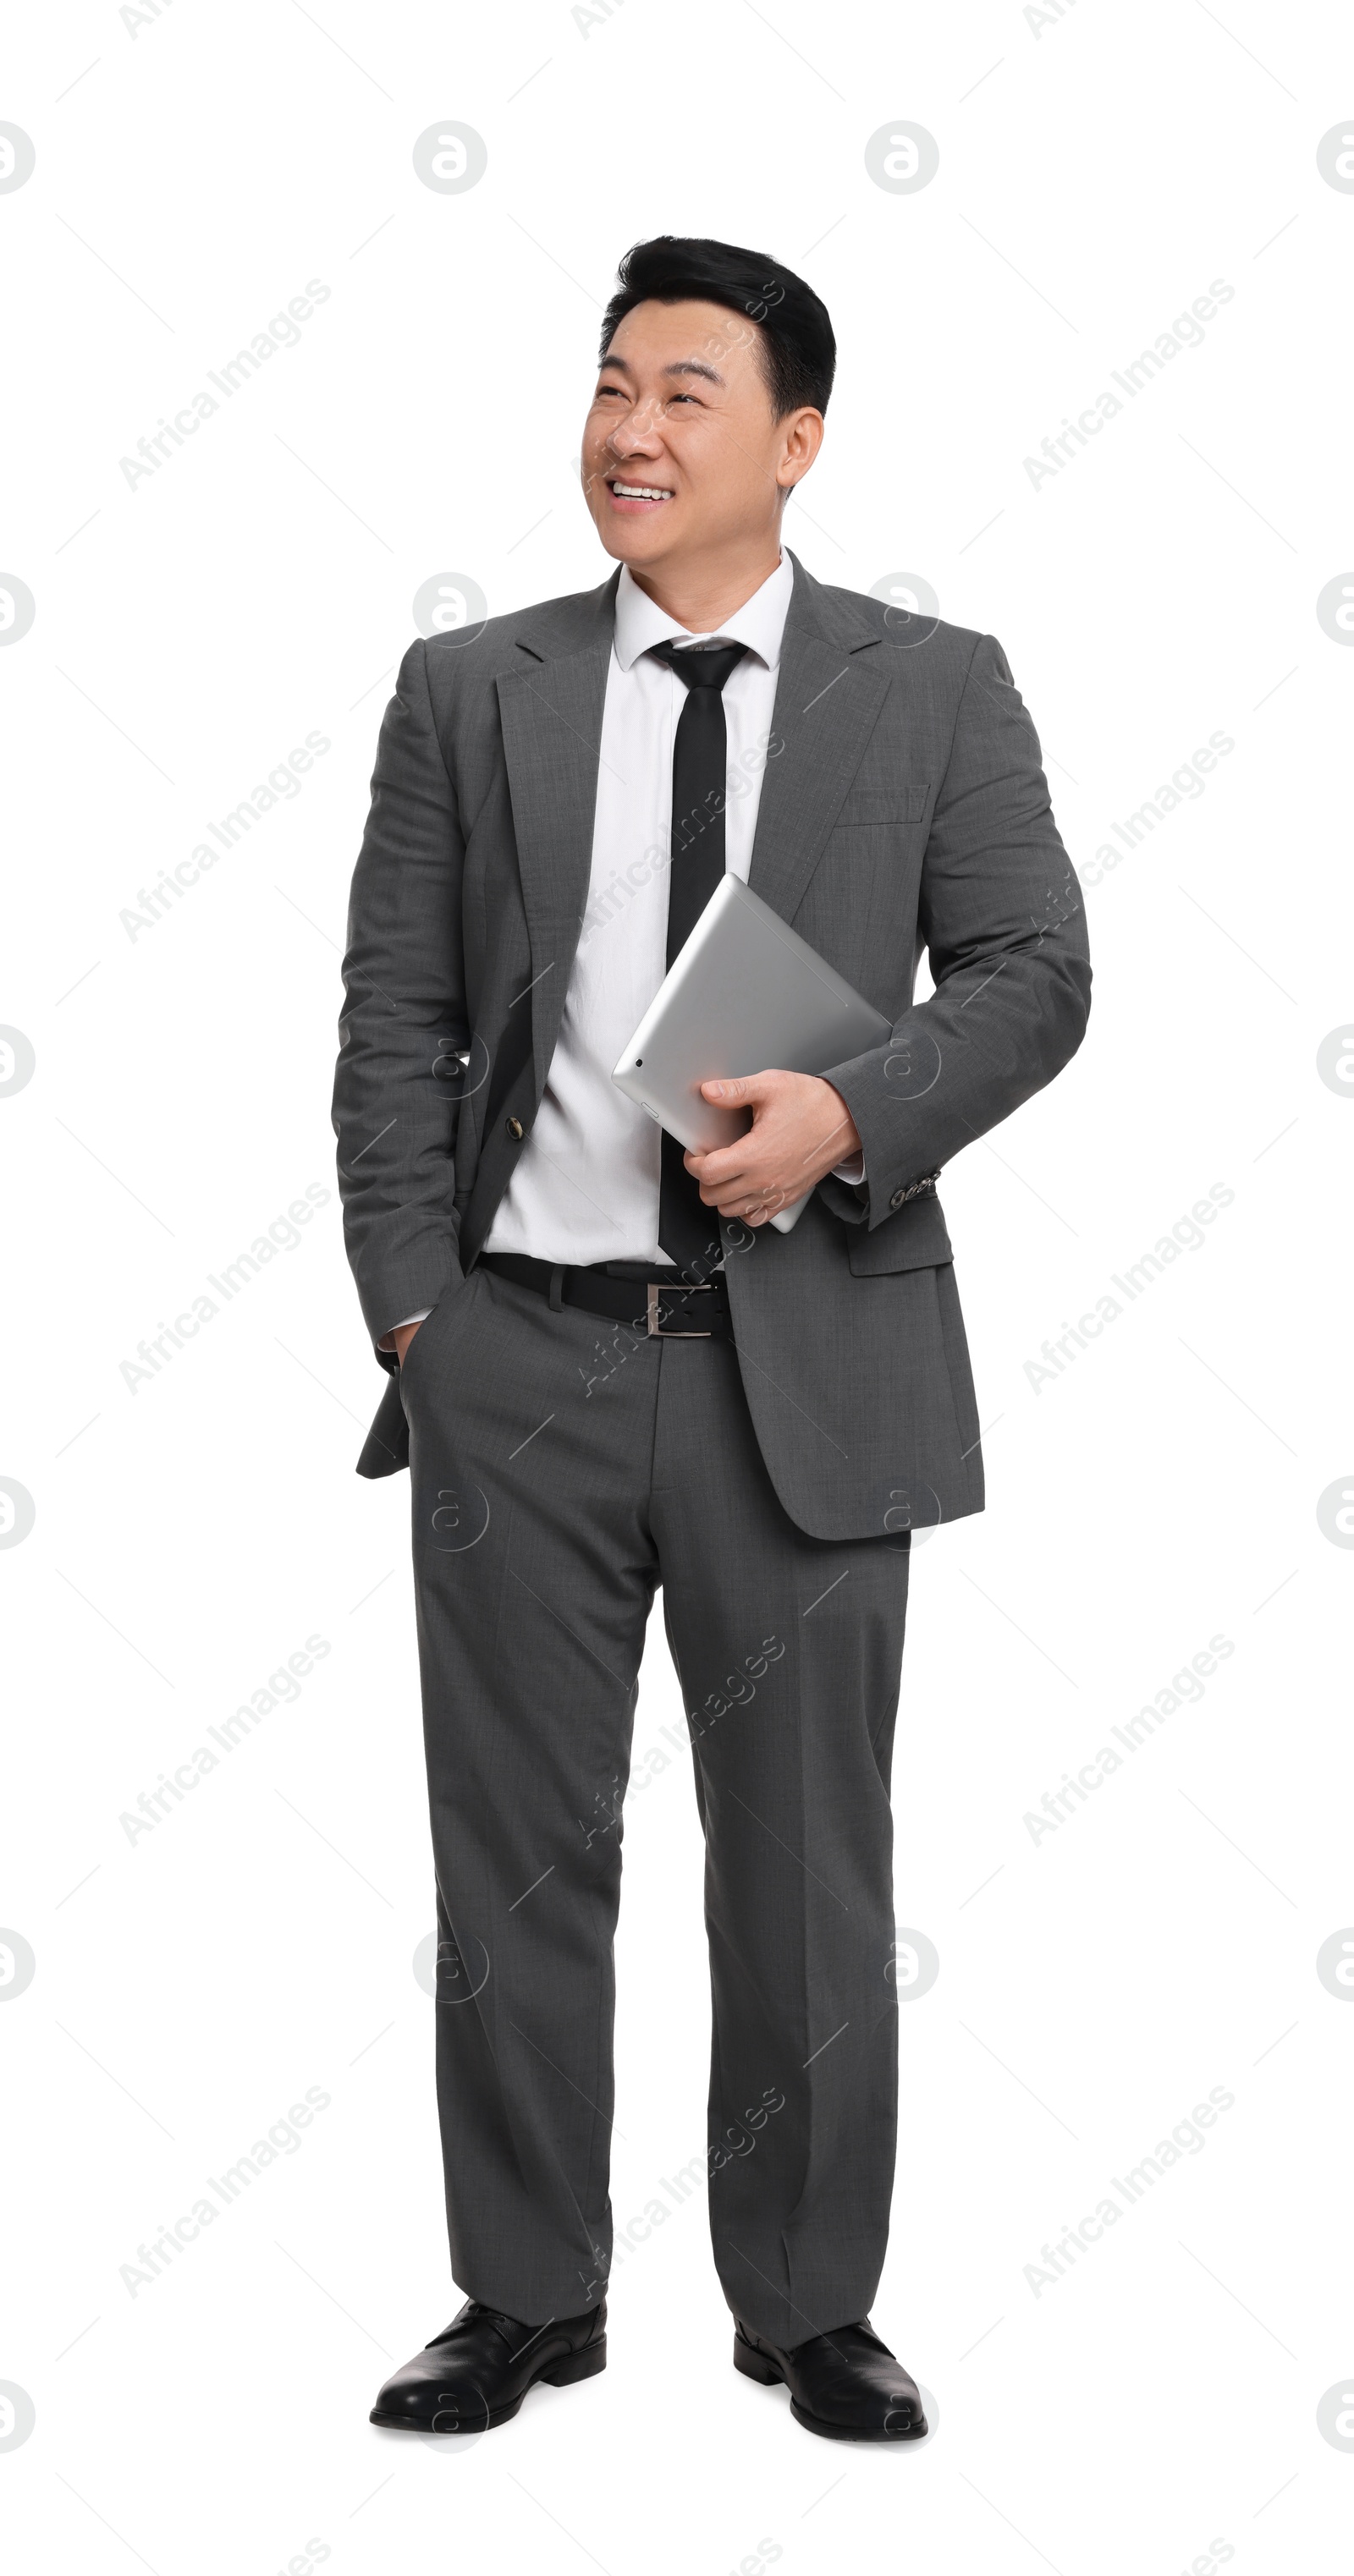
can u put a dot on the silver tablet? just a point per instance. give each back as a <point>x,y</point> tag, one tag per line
<point>745,994</point>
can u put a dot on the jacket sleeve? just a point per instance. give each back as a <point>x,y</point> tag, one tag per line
<point>403,1027</point>
<point>1002,919</point>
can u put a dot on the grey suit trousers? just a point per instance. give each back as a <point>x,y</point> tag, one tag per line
<point>562,1468</point>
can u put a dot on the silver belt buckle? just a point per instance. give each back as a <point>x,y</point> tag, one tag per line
<point>661,1332</point>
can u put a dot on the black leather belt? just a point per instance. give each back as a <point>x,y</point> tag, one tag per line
<point>666,1310</point>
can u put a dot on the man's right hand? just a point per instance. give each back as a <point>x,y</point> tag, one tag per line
<point>403,1336</point>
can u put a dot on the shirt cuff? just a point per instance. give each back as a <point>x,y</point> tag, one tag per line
<point>854,1171</point>
<point>387,1340</point>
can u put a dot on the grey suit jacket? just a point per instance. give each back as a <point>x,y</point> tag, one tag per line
<point>903,809</point>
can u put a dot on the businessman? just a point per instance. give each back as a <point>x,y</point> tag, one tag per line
<point>608,1371</point>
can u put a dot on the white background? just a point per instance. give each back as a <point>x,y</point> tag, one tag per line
<point>1097,173</point>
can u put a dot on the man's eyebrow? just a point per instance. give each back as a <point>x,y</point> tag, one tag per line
<point>679,367</point>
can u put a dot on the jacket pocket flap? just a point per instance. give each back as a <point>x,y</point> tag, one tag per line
<point>915,1239</point>
<point>905,803</point>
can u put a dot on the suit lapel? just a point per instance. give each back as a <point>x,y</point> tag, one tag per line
<point>828,697</point>
<point>551,712</point>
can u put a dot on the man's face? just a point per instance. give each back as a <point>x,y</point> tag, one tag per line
<point>681,454</point>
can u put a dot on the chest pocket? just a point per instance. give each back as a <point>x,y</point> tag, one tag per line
<point>890,808</point>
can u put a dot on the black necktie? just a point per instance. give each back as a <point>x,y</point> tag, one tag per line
<point>688,1230</point>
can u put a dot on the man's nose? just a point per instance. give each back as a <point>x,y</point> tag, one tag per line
<point>638,429</point>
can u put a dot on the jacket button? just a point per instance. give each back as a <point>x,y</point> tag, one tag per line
<point>515,1130</point>
<point>897,1199</point>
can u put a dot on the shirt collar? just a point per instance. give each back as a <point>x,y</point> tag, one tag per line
<point>759,623</point>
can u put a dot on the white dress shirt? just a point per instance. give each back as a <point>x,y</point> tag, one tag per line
<point>586,1184</point>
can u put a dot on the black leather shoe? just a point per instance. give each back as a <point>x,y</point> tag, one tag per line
<point>846,2384</point>
<point>476,2373</point>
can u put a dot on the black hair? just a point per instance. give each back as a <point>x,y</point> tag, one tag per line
<point>795,339</point>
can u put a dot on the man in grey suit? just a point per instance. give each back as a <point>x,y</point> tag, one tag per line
<point>609,1372</point>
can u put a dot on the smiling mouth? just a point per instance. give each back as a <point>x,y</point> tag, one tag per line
<point>636,491</point>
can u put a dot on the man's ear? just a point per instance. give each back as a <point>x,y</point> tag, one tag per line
<point>810,420</point>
